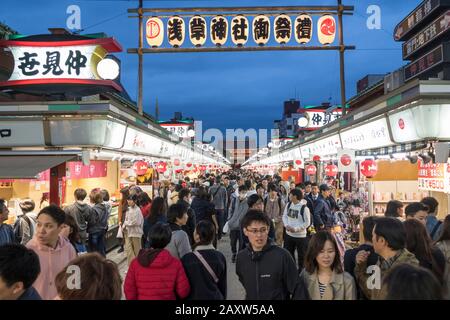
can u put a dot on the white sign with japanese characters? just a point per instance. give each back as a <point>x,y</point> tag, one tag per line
<point>179,130</point>
<point>322,147</point>
<point>374,134</point>
<point>319,118</point>
<point>68,62</point>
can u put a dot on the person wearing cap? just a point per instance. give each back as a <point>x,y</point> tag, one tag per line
<point>26,222</point>
<point>323,215</point>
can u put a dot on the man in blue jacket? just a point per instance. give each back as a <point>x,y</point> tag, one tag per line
<point>323,215</point>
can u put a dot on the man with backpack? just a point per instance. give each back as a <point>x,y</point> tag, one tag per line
<point>80,211</point>
<point>296,220</point>
<point>433,225</point>
<point>274,208</point>
<point>26,222</point>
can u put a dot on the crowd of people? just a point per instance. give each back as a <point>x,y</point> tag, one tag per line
<point>287,242</point>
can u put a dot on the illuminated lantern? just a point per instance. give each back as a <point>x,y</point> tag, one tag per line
<point>239,30</point>
<point>369,168</point>
<point>178,170</point>
<point>303,29</point>
<point>175,31</point>
<point>261,30</point>
<point>155,32</point>
<point>326,29</point>
<point>140,167</point>
<point>219,30</point>
<point>282,26</point>
<point>331,170</point>
<point>189,165</point>
<point>177,162</point>
<point>316,158</point>
<point>197,31</point>
<point>161,167</point>
<point>311,170</point>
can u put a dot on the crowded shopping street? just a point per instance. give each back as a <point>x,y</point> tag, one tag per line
<point>143,155</point>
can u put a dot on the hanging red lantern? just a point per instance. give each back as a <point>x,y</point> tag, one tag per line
<point>140,167</point>
<point>161,167</point>
<point>331,170</point>
<point>177,162</point>
<point>179,171</point>
<point>188,164</point>
<point>316,158</point>
<point>369,168</point>
<point>311,170</point>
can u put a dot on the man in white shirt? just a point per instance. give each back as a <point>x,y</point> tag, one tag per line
<point>296,219</point>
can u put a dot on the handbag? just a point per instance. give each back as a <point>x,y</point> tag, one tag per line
<point>120,232</point>
<point>226,228</point>
<point>207,266</point>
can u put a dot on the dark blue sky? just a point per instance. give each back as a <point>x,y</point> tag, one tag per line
<point>228,90</point>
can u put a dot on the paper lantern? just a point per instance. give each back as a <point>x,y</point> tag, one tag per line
<point>261,29</point>
<point>316,158</point>
<point>140,167</point>
<point>188,164</point>
<point>369,168</point>
<point>303,29</point>
<point>326,29</point>
<point>239,30</point>
<point>179,171</point>
<point>219,30</point>
<point>331,170</point>
<point>176,31</point>
<point>154,32</point>
<point>197,31</point>
<point>311,170</point>
<point>282,29</point>
<point>177,162</point>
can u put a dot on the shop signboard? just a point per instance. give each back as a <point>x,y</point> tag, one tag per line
<point>434,30</point>
<point>374,134</point>
<point>322,147</point>
<point>421,13</point>
<point>180,130</point>
<point>21,133</point>
<point>433,177</point>
<point>425,63</point>
<point>317,118</point>
<point>138,141</point>
<point>48,63</point>
<point>96,169</point>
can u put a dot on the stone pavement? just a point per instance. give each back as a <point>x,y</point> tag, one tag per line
<point>235,289</point>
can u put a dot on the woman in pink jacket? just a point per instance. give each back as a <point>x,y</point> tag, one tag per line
<point>54,251</point>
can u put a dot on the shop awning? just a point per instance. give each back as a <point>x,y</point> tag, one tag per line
<point>28,166</point>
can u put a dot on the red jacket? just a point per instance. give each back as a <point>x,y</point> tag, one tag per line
<point>146,210</point>
<point>164,279</point>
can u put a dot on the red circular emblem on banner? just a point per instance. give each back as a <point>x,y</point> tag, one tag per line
<point>401,124</point>
<point>346,160</point>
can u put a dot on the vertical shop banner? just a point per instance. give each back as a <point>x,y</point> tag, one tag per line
<point>346,160</point>
<point>96,169</point>
<point>434,177</point>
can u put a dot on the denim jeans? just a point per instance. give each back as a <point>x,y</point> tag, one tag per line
<point>97,242</point>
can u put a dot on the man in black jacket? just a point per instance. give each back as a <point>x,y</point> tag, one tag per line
<point>266,271</point>
<point>185,199</point>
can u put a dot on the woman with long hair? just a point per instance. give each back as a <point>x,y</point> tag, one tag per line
<point>205,267</point>
<point>123,207</point>
<point>420,244</point>
<point>443,243</point>
<point>71,231</point>
<point>157,214</point>
<point>323,273</point>
<point>394,209</point>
